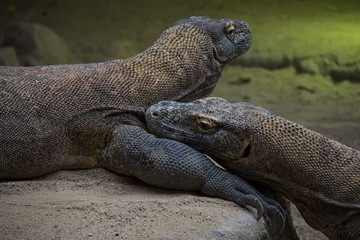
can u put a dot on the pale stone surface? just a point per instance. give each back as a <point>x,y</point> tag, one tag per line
<point>101,205</point>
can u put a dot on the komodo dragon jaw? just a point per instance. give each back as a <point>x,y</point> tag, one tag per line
<point>319,175</point>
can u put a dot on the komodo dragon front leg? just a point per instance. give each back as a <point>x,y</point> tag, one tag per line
<point>173,165</point>
<point>319,175</point>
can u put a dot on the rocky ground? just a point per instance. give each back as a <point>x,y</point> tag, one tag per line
<point>304,65</point>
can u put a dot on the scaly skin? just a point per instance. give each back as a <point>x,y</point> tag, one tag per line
<point>319,175</point>
<point>92,115</point>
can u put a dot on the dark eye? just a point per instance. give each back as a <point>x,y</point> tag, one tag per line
<point>206,124</point>
<point>230,29</point>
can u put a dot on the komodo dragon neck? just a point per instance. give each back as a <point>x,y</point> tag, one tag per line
<point>187,70</point>
<point>287,149</point>
<point>311,170</point>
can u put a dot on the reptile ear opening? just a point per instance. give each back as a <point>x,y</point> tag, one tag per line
<point>246,149</point>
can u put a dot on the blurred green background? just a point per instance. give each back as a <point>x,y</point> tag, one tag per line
<point>290,27</point>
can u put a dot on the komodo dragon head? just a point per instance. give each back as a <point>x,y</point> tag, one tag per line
<point>196,50</point>
<point>230,38</point>
<point>210,125</point>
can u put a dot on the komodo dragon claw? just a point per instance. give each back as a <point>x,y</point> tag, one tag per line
<point>231,187</point>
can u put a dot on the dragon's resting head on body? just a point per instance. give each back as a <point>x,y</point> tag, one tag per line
<point>319,175</point>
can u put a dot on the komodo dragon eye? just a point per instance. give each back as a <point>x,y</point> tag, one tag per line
<point>206,124</point>
<point>230,29</point>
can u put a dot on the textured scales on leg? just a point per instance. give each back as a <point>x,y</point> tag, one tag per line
<point>91,115</point>
<point>319,175</point>
<point>174,165</point>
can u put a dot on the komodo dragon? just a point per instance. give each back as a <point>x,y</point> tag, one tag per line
<point>92,115</point>
<point>319,175</point>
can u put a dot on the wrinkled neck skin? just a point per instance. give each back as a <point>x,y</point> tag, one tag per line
<point>180,65</point>
<point>314,172</point>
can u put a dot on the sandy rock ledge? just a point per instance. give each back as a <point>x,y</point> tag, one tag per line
<point>97,204</point>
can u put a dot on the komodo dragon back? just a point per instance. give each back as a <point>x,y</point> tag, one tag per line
<point>56,117</point>
<point>319,175</point>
